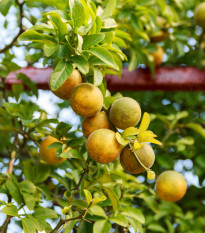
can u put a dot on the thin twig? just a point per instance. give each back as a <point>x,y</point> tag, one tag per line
<point>20,28</point>
<point>62,222</point>
<point>81,179</point>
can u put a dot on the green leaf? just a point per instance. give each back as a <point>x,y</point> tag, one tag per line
<point>81,62</point>
<point>113,198</point>
<point>59,25</point>
<point>134,213</point>
<point>40,224</point>
<point>28,225</point>
<point>49,49</point>
<point>120,220</point>
<point>29,200</point>
<point>98,77</point>
<point>77,13</point>
<point>196,127</point>
<point>27,186</point>
<point>101,226</point>
<point>71,154</point>
<point>109,9</point>
<point>5,6</point>
<point>31,35</point>
<point>10,210</point>
<point>28,82</point>
<point>88,196</point>
<point>156,227</point>
<point>42,172</point>
<point>97,210</point>
<point>105,56</point>
<point>44,213</point>
<point>61,73</point>
<point>14,191</point>
<point>55,145</point>
<point>122,34</point>
<point>17,89</point>
<point>93,39</point>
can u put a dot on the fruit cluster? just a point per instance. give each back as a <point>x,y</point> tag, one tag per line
<point>104,142</point>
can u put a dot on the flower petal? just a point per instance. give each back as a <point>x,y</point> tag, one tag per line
<point>145,122</point>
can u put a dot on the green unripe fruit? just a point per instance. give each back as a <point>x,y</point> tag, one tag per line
<point>125,112</point>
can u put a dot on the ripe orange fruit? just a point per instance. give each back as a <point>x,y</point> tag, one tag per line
<point>171,186</point>
<point>129,162</point>
<point>199,15</point>
<point>158,56</point>
<point>49,155</point>
<point>64,90</point>
<point>103,146</point>
<point>86,99</point>
<point>98,121</point>
<point>125,112</point>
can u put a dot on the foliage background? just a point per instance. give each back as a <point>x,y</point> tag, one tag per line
<point>177,119</point>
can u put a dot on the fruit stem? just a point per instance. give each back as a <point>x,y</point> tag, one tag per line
<point>141,164</point>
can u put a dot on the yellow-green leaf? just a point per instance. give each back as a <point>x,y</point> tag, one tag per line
<point>121,140</point>
<point>145,134</point>
<point>130,132</point>
<point>88,196</point>
<point>145,122</point>
<point>66,209</point>
<point>96,200</point>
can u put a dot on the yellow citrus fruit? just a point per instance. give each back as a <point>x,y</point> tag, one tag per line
<point>86,99</point>
<point>49,155</point>
<point>199,15</point>
<point>98,121</point>
<point>125,112</point>
<point>65,89</point>
<point>171,186</point>
<point>158,56</point>
<point>103,146</point>
<point>129,162</point>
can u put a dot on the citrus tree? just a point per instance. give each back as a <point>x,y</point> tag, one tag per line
<point>100,175</point>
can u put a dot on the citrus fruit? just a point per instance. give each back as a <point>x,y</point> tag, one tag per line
<point>103,146</point>
<point>49,155</point>
<point>86,99</point>
<point>125,112</point>
<point>199,15</point>
<point>65,89</point>
<point>129,162</point>
<point>98,121</point>
<point>171,186</point>
<point>158,56</point>
<point>158,36</point>
<point>161,32</point>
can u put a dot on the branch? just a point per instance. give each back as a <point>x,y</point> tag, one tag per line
<point>3,228</point>
<point>81,179</point>
<point>20,26</point>
<point>62,222</point>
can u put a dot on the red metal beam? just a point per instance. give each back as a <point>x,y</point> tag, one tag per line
<point>166,79</point>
